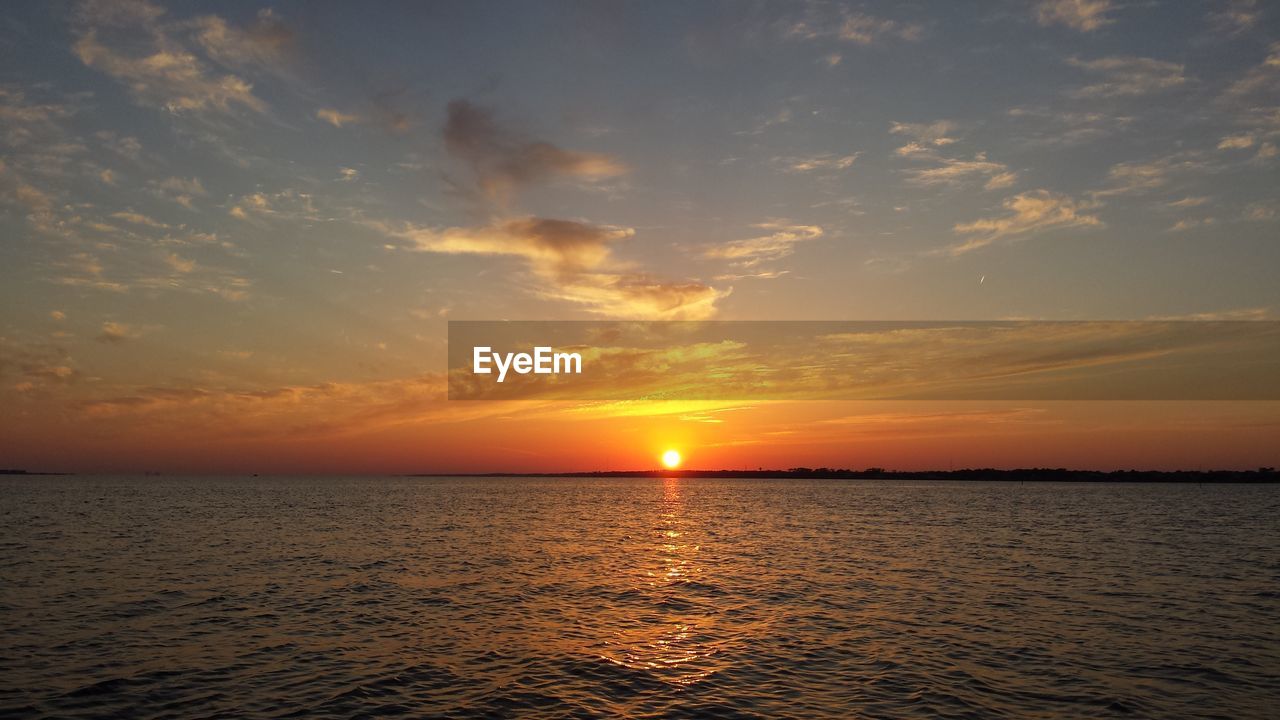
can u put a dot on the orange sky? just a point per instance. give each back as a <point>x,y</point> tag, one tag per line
<point>231,235</point>
<point>326,431</point>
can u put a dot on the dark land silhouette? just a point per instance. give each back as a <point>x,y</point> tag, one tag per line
<point>1261,475</point>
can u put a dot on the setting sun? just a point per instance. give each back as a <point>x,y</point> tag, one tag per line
<point>671,459</point>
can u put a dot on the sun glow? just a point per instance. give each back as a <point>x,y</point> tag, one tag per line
<point>671,459</point>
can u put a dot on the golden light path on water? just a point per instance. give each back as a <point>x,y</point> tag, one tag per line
<point>684,645</point>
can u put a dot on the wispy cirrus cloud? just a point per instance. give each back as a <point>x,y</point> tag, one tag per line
<point>1025,213</point>
<point>954,172</point>
<point>936,134</point>
<point>1128,77</point>
<point>1065,128</point>
<point>852,26</point>
<point>158,61</point>
<point>181,190</point>
<point>927,138</point>
<point>337,118</point>
<point>1237,16</point>
<point>1082,15</point>
<point>1260,83</point>
<point>816,163</point>
<point>779,241</point>
<point>266,42</point>
<point>1139,177</point>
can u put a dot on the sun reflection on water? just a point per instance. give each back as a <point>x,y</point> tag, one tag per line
<point>672,633</point>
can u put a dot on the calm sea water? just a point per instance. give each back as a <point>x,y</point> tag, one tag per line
<point>532,598</point>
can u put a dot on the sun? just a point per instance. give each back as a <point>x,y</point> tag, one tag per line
<point>671,459</point>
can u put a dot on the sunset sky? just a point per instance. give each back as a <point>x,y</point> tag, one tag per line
<point>232,234</point>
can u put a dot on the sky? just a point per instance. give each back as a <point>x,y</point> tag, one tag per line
<point>233,234</point>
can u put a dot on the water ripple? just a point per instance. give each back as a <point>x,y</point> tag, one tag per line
<point>542,598</point>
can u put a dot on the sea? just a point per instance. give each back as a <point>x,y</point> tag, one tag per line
<point>345,597</point>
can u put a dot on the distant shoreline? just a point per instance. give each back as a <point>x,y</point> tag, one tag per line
<point>1261,475</point>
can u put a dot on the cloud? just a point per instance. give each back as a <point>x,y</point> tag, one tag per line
<point>1139,177</point>
<point>179,264</point>
<point>574,260</point>
<point>957,172</point>
<point>1189,202</point>
<point>14,108</point>
<point>552,246</point>
<point>183,191</point>
<point>264,43</point>
<point>853,27</point>
<point>1260,84</point>
<point>158,60</point>
<point>1191,223</point>
<point>1028,212</point>
<point>826,161</point>
<point>637,296</point>
<point>1236,142</point>
<point>1259,212</point>
<point>1237,17</point>
<point>287,204</point>
<point>129,147</point>
<point>114,332</point>
<point>337,118</point>
<point>1128,76</point>
<point>33,197</point>
<point>348,174</point>
<point>58,315</point>
<point>136,218</point>
<point>937,133</point>
<point>1082,15</point>
<point>173,80</point>
<point>778,243</point>
<point>504,161</point>
<point>765,122</point>
<point>1063,129</point>
<point>927,138</point>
